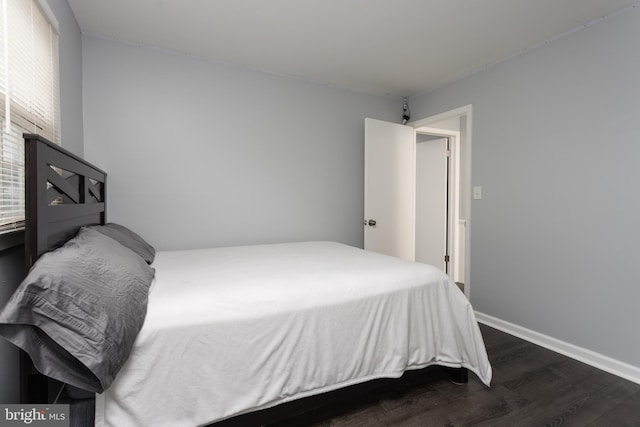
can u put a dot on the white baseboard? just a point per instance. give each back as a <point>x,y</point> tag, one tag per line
<point>597,360</point>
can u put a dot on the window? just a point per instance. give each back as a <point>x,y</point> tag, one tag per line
<point>28,95</point>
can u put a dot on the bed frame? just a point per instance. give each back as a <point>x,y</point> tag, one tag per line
<point>65,192</point>
<point>62,193</point>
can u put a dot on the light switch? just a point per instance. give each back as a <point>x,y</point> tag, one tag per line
<point>477,192</point>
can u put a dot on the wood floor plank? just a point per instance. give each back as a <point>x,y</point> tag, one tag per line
<point>623,415</point>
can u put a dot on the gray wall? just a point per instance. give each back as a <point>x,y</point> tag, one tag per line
<point>556,149</point>
<point>204,154</point>
<point>11,260</point>
<point>70,50</point>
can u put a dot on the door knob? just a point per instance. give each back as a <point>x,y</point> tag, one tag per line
<point>372,222</point>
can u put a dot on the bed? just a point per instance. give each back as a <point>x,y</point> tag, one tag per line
<point>221,332</point>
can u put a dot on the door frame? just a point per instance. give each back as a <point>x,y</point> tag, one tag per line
<point>464,153</point>
<point>453,180</point>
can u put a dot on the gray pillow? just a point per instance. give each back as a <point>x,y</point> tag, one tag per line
<point>79,310</point>
<point>127,238</point>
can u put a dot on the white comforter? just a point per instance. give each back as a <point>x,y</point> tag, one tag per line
<point>230,330</point>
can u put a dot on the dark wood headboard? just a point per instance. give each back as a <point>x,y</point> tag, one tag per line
<point>63,193</point>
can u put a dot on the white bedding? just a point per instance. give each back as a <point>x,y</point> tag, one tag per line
<point>231,330</point>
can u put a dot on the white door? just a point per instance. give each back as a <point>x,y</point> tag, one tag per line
<point>389,188</point>
<point>431,202</point>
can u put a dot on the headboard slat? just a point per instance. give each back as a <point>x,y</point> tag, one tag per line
<point>49,220</point>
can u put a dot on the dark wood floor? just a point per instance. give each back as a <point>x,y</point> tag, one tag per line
<point>531,386</point>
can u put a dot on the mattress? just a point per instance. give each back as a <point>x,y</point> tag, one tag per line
<point>232,330</point>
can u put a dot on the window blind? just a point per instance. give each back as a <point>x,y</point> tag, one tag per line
<point>28,95</point>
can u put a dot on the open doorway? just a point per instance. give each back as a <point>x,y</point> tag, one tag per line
<point>436,193</point>
<point>455,125</point>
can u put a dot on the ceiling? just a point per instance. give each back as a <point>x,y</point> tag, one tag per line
<point>392,47</point>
